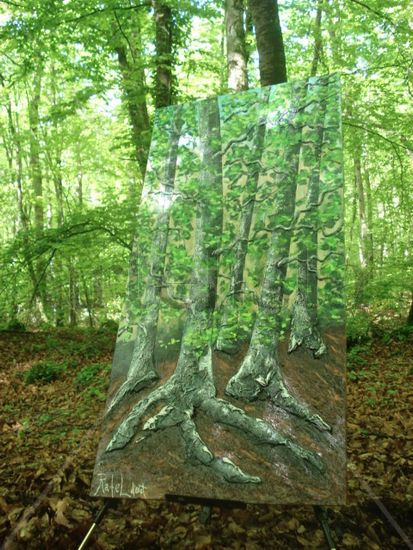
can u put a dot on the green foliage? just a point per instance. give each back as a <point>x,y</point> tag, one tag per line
<point>16,325</point>
<point>44,372</point>
<point>358,326</point>
<point>89,373</point>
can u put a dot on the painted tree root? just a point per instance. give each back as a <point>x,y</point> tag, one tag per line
<point>303,330</point>
<point>259,375</point>
<point>180,406</point>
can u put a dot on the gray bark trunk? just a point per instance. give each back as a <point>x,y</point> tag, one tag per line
<point>226,341</point>
<point>236,51</point>
<point>260,370</point>
<point>318,43</point>
<point>163,47</point>
<point>304,321</point>
<point>142,368</point>
<point>133,83</point>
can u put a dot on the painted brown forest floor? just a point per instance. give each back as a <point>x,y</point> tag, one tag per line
<point>50,431</point>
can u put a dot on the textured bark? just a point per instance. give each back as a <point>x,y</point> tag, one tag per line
<point>410,316</point>
<point>191,387</point>
<point>260,370</point>
<point>39,292</point>
<point>361,208</point>
<point>163,47</point>
<point>235,39</point>
<point>226,342</point>
<point>142,368</point>
<point>133,83</point>
<point>35,167</point>
<point>318,43</point>
<point>304,321</point>
<point>270,43</point>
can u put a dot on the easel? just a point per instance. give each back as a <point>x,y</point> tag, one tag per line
<point>204,515</point>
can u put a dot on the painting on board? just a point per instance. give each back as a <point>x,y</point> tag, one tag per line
<point>228,377</point>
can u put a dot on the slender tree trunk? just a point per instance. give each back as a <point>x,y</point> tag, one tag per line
<point>73,295</point>
<point>369,220</point>
<point>163,47</point>
<point>260,370</point>
<point>361,209</point>
<point>40,293</point>
<point>270,42</point>
<point>133,82</point>
<point>230,338</point>
<point>235,40</point>
<point>318,43</point>
<point>304,322</point>
<point>142,368</point>
<point>410,316</point>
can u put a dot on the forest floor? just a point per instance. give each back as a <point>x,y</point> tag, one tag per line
<point>52,394</point>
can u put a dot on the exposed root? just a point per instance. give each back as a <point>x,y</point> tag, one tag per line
<point>283,399</point>
<point>179,410</point>
<point>260,374</point>
<point>131,386</point>
<point>198,450</point>
<point>225,413</point>
<point>248,383</point>
<point>128,427</point>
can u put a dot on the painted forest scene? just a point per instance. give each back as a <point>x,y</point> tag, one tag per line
<point>206,274</point>
<point>239,251</point>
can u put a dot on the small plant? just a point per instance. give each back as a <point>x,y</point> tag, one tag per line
<point>16,325</point>
<point>88,373</point>
<point>354,356</point>
<point>44,372</point>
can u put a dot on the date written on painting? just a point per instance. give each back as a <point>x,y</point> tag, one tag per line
<point>113,485</point>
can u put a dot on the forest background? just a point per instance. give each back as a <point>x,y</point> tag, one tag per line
<point>79,83</point>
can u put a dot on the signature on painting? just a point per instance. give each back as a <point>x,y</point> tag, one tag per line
<point>113,485</point>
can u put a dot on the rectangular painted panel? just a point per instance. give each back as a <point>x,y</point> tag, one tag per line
<point>228,377</point>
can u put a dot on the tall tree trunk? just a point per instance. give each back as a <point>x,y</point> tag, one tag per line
<point>163,47</point>
<point>318,43</point>
<point>260,370</point>
<point>229,337</point>
<point>369,221</point>
<point>235,40</point>
<point>361,208</point>
<point>133,83</point>
<point>270,42</point>
<point>40,294</point>
<point>304,322</point>
<point>142,367</point>
<point>191,388</point>
<point>35,166</point>
<point>73,295</point>
<point>410,315</point>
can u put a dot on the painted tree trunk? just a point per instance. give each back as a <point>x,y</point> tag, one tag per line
<point>230,338</point>
<point>304,319</point>
<point>260,370</point>
<point>142,368</point>
<point>192,387</point>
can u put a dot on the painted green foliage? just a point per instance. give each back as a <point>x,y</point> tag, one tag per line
<point>239,245</point>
